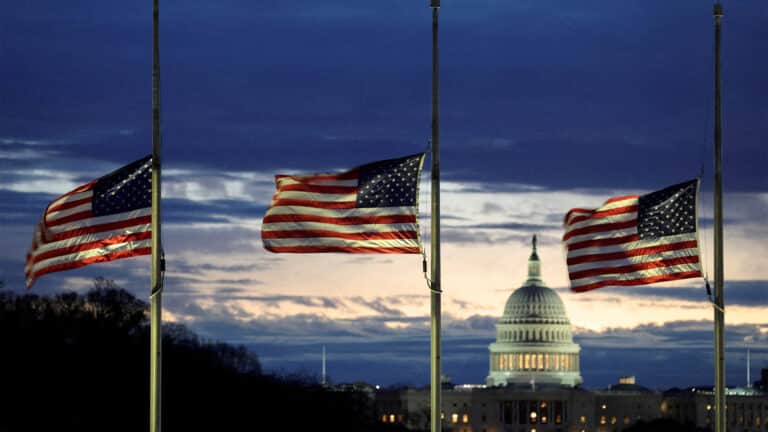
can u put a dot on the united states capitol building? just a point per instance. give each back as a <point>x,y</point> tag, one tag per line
<point>533,384</point>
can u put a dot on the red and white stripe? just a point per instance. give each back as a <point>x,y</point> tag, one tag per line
<point>68,236</point>
<point>604,249</point>
<point>316,213</point>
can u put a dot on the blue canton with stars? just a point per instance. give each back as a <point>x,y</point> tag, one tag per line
<point>125,189</point>
<point>389,183</point>
<point>669,211</point>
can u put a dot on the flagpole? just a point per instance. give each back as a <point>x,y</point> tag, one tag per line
<point>156,337</point>
<point>436,386</point>
<point>719,305</point>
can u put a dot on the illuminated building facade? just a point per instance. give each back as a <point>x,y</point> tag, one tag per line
<point>478,408</point>
<point>534,343</point>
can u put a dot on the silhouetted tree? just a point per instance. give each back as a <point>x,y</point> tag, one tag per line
<point>76,362</point>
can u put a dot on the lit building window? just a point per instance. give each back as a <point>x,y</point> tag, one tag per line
<point>520,361</point>
<point>455,418</point>
<point>384,418</point>
<point>533,417</point>
<point>527,361</point>
<point>627,380</point>
<point>603,406</point>
<point>602,420</point>
<point>540,361</point>
<point>583,419</point>
<point>613,420</point>
<point>626,420</point>
<point>709,407</point>
<point>391,418</point>
<point>465,418</point>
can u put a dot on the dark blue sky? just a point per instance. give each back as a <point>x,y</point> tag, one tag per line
<point>553,101</point>
<point>525,85</point>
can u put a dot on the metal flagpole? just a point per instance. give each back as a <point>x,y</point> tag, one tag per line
<point>718,227</point>
<point>156,337</point>
<point>749,379</point>
<point>436,385</point>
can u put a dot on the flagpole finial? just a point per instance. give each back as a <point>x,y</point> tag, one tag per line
<point>718,10</point>
<point>434,3</point>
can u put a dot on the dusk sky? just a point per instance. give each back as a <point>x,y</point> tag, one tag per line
<point>545,105</point>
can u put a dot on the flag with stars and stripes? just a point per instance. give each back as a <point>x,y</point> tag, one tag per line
<point>634,240</point>
<point>103,220</point>
<point>372,208</point>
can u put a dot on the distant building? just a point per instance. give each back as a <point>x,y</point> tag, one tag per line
<point>533,384</point>
<point>534,343</point>
<point>517,409</point>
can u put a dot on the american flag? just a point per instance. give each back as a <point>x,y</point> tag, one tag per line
<point>372,208</point>
<point>103,220</point>
<point>634,240</point>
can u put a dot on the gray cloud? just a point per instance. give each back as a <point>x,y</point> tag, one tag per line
<point>185,267</point>
<point>506,226</point>
<point>362,350</point>
<point>463,236</point>
<point>379,305</point>
<point>737,293</point>
<point>490,207</point>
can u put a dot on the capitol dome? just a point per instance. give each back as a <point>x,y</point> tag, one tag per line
<point>534,343</point>
<point>534,303</point>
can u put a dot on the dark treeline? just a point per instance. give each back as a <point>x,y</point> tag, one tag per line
<point>76,362</point>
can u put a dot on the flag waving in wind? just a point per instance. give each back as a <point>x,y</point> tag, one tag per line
<point>103,220</point>
<point>634,240</point>
<point>372,208</point>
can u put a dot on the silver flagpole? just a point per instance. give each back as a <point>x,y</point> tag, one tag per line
<point>719,305</point>
<point>436,387</point>
<point>156,319</point>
